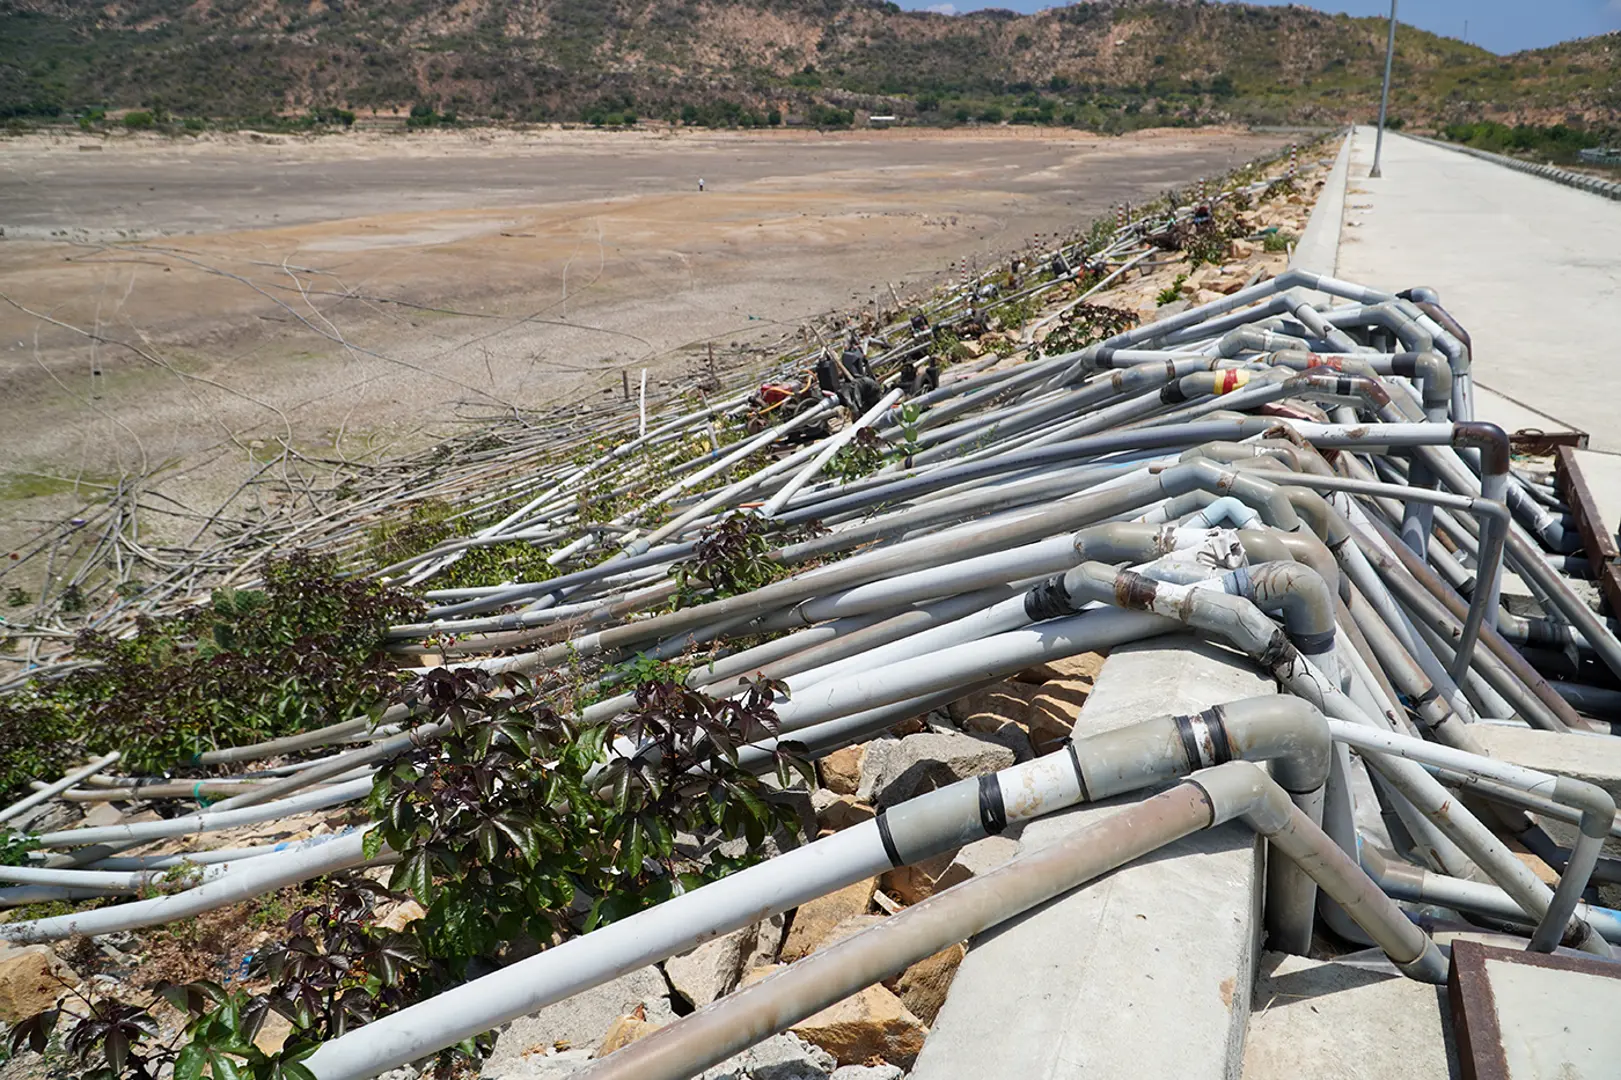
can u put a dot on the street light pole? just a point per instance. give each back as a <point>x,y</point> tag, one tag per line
<point>1384,94</point>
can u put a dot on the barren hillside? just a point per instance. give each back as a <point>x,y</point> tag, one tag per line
<point>1109,64</point>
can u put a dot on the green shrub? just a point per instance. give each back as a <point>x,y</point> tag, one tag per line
<point>1172,292</point>
<point>255,664</point>
<point>138,121</point>
<point>731,557</point>
<point>1558,142</point>
<point>861,456</point>
<point>1278,240</point>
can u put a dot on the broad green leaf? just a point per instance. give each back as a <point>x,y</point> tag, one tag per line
<point>188,1064</point>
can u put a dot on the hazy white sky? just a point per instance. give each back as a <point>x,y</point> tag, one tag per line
<point>1503,26</point>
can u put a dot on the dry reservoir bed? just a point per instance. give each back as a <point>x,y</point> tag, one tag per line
<point>355,295</point>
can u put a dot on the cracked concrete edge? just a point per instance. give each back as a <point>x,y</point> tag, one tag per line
<point>1319,247</point>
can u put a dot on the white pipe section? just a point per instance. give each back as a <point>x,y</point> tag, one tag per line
<point>1389,742</point>
<point>210,820</point>
<point>28,802</point>
<point>254,878</point>
<point>835,443</point>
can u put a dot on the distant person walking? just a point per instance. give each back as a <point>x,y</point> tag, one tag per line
<point>700,183</point>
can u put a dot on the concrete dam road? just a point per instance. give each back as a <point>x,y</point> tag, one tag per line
<point>1532,268</point>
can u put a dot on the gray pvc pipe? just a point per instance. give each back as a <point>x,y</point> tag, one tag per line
<point>1126,759</point>
<point>1209,798</point>
<point>28,802</point>
<point>1243,625</point>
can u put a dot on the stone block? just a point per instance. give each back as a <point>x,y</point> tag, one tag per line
<point>841,770</point>
<point>872,1023</point>
<point>893,771</point>
<point>1053,712</point>
<point>31,979</point>
<point>1336,1021</point>
<point>1084,665</point>
<point>713,968</point>
<point>922,987</point>
<point>814,920</point>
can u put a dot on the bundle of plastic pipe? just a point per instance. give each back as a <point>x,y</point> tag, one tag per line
<point>1293,470</point>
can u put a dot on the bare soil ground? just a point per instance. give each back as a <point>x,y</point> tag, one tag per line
<point>354,295</point>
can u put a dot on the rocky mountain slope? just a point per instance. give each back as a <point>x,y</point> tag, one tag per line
<point>1104,63</point>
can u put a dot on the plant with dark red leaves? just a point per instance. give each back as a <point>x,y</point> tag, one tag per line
<point>731,557</point>
<point>335,972</point>
<point>514,812</point>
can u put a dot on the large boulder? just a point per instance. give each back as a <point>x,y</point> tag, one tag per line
<point>815,919</point>
<point>31,979</point>
<point>580,1021</point>
<point>872,1023</point>
<point>894,770</point>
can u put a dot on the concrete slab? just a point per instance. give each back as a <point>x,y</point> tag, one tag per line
<point>1333,1021</point>
<point>1144,974</point>
<point>1532,269</point>
<point>1319,246</point>
<point>1515,416</point>
<point>1556,1023</point>
<point>1530,1016</point>
<point>1594,758</point>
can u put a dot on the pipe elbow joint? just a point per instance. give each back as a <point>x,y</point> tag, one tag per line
<point>1596,804</point>
<point>1238,339</point>
<point>1264,496</point>
<point>1431,369</point>
<point>1289,731</point>
<point>1489,439</point>
<point>1296,590</point>
<point>1269,498</point>
<point>1420,294</point>
<point>1241,789</point>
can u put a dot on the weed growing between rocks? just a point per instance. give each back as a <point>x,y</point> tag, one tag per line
<point>335,971</point>
<point>1086,324</point>
<point>862,456</point>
